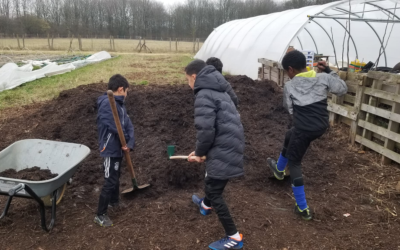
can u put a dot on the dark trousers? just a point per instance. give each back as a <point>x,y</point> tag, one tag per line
<point>214,189</point>
<point>294,148</point>
<point>110,191</point>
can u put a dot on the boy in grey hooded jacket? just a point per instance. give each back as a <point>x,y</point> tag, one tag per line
<point>305,97</point>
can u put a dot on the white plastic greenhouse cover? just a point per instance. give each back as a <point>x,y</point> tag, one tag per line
<point>240,43</point>
<point>12,76</point>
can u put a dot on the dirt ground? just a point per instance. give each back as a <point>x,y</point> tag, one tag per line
<point>30,174</point>
<point>339,180</point>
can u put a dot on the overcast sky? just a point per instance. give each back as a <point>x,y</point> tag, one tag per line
<point>171,2</point>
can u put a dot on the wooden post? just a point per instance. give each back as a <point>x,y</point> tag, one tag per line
<point>333,118</point>
<point>19,46</point>
<point>198,44</point>
<point>48,41</point>
<point>142,46</point>
<point>80,43</point>
<point>113,44</point>
<point>139,46</point>
<point>394,127</point>
<point>357,108</point>
<point>373,101</point>
<point>70,43</point>
<point>270,72</point>
<point>279,77</point>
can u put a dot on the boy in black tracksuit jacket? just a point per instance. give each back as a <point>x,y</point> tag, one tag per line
<point>220,138</point>
<point>110,146</point>
<point>305,97</point>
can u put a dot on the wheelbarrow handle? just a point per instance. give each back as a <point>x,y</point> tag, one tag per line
<point>16,189</point>
<point>120,132</point>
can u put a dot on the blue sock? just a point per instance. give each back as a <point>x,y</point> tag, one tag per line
<point>282,162</point>
<point>300,197</point>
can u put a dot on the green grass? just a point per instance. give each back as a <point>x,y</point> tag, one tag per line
<point>142,69</point>
<point>143,83</point>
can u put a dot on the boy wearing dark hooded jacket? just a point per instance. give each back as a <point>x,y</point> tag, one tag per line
<point>217,63</point>
<point>220,138</point>
<point>110,145</point>
<point>305,97</point>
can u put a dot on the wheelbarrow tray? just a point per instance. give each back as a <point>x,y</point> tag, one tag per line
<point>60,158</point>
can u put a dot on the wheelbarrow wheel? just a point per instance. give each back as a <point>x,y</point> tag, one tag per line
<point>47,200</point>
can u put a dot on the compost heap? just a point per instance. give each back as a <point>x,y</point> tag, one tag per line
<point>163,216</point>
<point>29,174</point>
<point>162,115</point>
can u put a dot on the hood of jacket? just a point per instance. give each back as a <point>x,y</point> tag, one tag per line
<point>305,82</point>
<point>210,78</point>
<point>119,99</point>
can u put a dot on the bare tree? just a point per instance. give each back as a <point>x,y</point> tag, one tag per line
<point>133,18</point>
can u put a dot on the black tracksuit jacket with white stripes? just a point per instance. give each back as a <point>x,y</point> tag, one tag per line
<point>109,143</point>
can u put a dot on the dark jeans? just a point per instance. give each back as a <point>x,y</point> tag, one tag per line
<point>110,192</point>
<point>294,148</point>
<point>214,189</point>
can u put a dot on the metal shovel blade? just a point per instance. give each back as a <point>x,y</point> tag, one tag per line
<point>170,150</point>
<point>135,187</point>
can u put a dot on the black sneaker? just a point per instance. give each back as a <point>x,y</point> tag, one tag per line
<point>305,214</point>
<point>280,175</point>
<point>103,220</point>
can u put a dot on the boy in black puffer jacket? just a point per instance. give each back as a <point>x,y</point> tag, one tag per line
<point>217,63</point>
<point>220,138</point>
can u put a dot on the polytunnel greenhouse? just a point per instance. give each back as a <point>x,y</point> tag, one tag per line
<point>363,30</point>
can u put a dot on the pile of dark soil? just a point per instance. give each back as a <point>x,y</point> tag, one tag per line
<point>30,174</point>
<point>163,216</point>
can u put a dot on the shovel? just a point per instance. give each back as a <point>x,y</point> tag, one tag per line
<point>123,142</point>
<point>171,151</point>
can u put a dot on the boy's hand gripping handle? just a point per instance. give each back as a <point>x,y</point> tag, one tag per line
<point>120,132</point>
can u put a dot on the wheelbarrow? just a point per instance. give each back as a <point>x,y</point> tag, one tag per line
<point>60,158</point>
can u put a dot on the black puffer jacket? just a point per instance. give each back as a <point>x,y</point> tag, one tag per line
<point>233,95</point>
<point>220,134</point>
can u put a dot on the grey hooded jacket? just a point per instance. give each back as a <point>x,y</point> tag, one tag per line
<point>306,99</point>
<point>220,134</point>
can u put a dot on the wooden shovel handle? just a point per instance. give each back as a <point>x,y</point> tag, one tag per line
<point>114,110</point>
<point>183,157</point>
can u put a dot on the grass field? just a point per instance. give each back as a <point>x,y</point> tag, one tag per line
<point>137,68</point>
<point>121,45</point>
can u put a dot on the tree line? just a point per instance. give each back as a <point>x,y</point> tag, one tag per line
<point>130,18</point>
